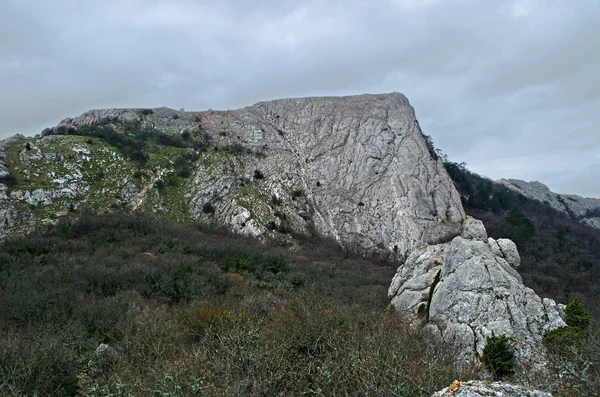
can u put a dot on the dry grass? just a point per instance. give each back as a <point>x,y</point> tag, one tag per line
<point>202,312</point>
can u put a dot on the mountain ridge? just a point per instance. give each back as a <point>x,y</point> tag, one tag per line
<point>356,169</point>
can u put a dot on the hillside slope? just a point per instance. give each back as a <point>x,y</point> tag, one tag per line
<point>355,169</point>
<point>582,209</point>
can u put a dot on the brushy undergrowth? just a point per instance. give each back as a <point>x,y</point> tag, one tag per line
<point>200,312</point>
<point>194,311</point>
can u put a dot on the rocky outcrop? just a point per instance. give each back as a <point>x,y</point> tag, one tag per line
<point>356,169</point>
<point>477,388</point>
<point>467,290</point>
<point>583,209</point>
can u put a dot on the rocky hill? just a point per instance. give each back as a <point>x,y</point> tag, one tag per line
<point>355,169</point>
<point>582,209</point>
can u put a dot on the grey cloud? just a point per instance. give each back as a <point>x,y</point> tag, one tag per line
<point>509,87</point>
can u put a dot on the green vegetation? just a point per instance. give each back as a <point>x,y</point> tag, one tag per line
<point>574,351</point>
<point>200,312</point>
<point>518,227</point>
<point>297,193</point>
<point>578,323</point>
<point>258,174</point>
<point>498,356</point>
<point>9,180</point>
<point>576,316</point>
<point>135,140</point>
<point>208,208</point>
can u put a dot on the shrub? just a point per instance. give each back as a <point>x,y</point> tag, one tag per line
<point>275,200</point>
<point>9,180</point>
<point>208,320</point>
<point>561,336</point>
<point>498,357</point>
<point>258,174</point>
<point>577,317</point>
<point>297,193</point>
<point>518,227</point>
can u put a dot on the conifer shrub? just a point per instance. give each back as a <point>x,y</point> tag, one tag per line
<point>498,356</point>
<point>208,208</point>
<point>258,174</point>
<point>577,317</point>
<point>578,323</point>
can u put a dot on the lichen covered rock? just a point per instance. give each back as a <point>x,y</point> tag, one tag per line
<point>476,294</point>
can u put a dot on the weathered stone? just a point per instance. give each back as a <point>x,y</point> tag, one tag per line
<point>103,358</point>
<point>478,294</point>
<point>473,229</point>
<point>477,388</point>
<point>509,251</point>
<point>30,154</point>
<point>410,288</point>
<point>493,244</point>
<point>583,209</point>
<point>3,192</point>
<point>356,169</point>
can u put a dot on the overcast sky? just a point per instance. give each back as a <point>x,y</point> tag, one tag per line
<point>512,87</point>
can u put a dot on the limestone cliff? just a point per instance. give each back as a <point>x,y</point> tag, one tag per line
<point>356,169</point>
<point>583,209</point>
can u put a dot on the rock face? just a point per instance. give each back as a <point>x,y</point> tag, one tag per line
<point>356,169</point>
<point>583,209</point>
<point>476,388</point>
<point>466,290</point>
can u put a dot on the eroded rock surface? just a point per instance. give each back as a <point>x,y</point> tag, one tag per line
<point>583,209</point>
<point>469,290</point>
<point>356,169</point>
<point>477,388</point>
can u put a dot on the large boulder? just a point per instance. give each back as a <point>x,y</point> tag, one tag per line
<point>469,291</point>
<point>477,388</point>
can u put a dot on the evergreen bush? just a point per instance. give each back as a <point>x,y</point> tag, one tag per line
<point>498,356</point>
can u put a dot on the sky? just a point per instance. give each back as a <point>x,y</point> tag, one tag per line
<point>511,87</point>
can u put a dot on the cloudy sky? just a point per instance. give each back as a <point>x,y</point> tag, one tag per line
<point>512,87</point>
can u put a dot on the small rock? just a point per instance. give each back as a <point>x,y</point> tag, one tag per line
<point>510,252</point>
<point>477,388</point>
<point>473,229</point>
<point>495,247</point>
<point>104,357</point>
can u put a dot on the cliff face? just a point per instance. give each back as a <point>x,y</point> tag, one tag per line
<point>467,290</point>
<point>582,209</point>
<point>356,169</point>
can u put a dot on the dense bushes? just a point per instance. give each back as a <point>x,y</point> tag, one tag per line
<point>200,311</point>
<point>518,227</point>
<point>133,141</point>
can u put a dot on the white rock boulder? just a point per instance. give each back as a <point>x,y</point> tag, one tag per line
<point>476,388</point>
<point>469,290</point>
